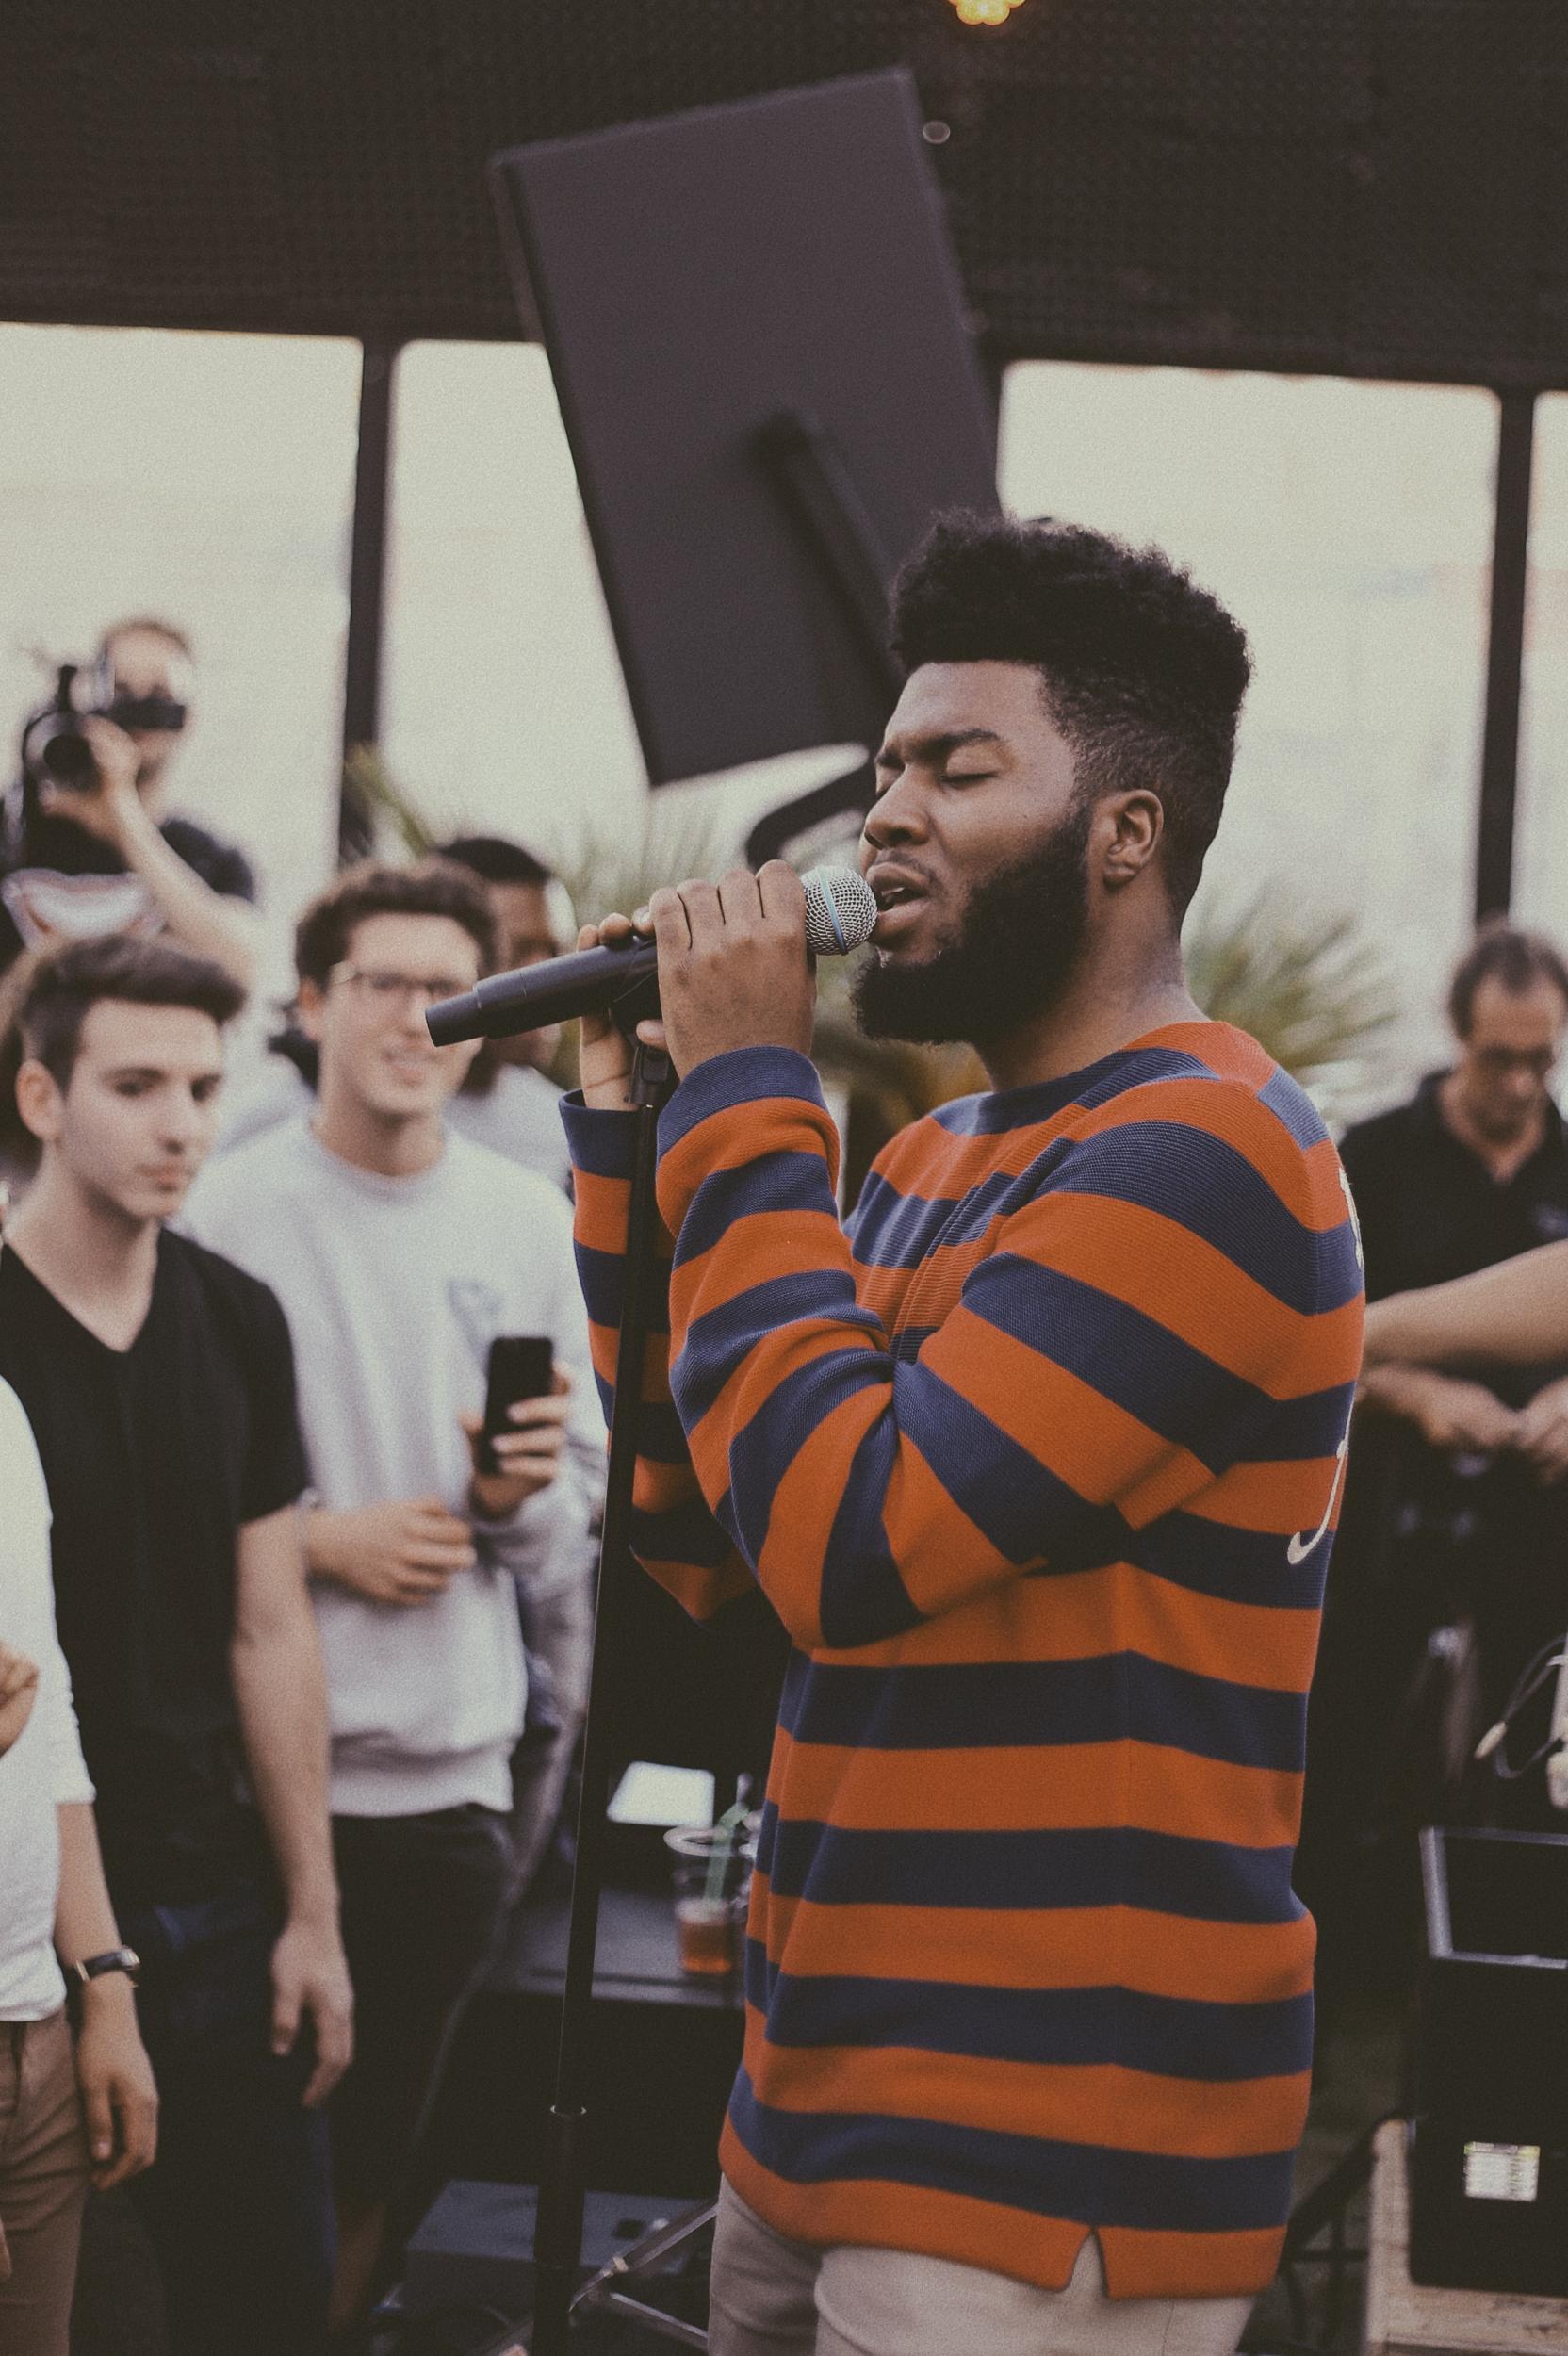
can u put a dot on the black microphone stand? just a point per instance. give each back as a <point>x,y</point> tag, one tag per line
<point>558,2231</point>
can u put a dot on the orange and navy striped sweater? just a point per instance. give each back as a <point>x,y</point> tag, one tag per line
<point>1038,1465</point>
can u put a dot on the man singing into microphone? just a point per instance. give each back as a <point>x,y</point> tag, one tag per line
<point>1038,1466</point>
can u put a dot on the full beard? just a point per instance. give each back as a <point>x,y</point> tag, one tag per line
<point>1021,936</point>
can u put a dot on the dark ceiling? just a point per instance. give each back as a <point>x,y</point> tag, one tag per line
<point>1372,186</point>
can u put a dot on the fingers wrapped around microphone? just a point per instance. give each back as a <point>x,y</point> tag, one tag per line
<point>733,968</point>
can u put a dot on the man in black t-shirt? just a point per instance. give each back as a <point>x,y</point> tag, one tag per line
<point>159,1382</point>
<point>78,864</point>
<point>1473,1170</point>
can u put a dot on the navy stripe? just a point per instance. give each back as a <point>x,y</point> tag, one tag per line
<point>1137,1364</point>
<point>659,1435</point>
<point>1293,1109</point>
<point>979,1704</point>
<point>601,1144</point>
<point>1023,1509</point>
<point>1208,1187</point>
<point>1233,1566</point>
<point>1301,1430</point>
<point>1149,1372</point>
<point>1173,2037</point>
<point>719,1341</point>
<point>744,1075</point>
<point>601,1278</point>
<point>995,1114</point>
<point>894,1230</point>
<point>1001,1872</point>
<point>762,1453</point>
<point>862,1598</point>
<point>774,1181</point>
<point>687,1532</point>
<point>1087,2182</point>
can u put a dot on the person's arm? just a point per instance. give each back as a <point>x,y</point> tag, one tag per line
<point>18,1692</point>
<point>212,924</point>
<point>1515,1314</point>
<point>532,1517</point>
<point>1450,1413</point>
<point>119,2100</point>
<point>280,1690</point>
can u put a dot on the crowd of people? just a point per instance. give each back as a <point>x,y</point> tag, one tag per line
<point>1039,1467</point>
<point>259,1550</point>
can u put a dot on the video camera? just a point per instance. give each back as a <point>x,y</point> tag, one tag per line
<point>54,744</point>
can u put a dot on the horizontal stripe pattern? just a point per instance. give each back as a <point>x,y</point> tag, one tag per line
<point>1040,1465</point>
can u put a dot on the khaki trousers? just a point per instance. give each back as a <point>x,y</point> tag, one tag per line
<point>43,2178</point>
<point>778,2297</point>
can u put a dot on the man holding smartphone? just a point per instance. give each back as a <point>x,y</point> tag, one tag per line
<point>402,1253</point>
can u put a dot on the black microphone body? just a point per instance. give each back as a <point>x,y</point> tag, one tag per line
<point>588,982</point>
<point>841,910</point>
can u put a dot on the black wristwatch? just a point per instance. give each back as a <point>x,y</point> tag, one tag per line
<point>98,1967</point>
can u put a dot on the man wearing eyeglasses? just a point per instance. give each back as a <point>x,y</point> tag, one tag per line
<point>400,1251</point>
<point>1455,1506</point>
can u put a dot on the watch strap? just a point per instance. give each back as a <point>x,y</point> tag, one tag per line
<point>98,1967</point>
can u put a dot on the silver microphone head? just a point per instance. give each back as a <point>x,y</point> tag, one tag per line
<point>841,910</point>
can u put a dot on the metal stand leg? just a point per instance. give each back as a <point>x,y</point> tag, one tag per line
<point>558,2234</point>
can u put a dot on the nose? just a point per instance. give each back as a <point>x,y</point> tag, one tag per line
<point>897,815</point>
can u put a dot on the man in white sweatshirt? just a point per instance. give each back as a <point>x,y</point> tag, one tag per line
<point>399,1253</point>
<point>53,1907</point>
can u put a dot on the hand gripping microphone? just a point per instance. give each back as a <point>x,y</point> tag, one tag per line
<point>841,910</point>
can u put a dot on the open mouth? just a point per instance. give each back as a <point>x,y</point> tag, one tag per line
<point>894,891</point>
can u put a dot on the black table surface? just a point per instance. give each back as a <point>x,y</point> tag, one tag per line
<point>635,1961</point>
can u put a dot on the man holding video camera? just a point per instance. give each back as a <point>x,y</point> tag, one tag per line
<point>402,1253</point>
<point>85,844</point>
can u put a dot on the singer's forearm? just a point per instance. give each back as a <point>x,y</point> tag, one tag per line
<point>675,1536</point>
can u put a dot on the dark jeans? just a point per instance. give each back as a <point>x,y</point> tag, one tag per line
<point>421,1899</point>
<point>238,2204</point>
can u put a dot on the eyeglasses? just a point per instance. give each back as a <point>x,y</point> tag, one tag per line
<point>386,988</point>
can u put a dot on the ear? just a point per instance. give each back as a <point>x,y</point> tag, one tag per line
<point>1137,822</point>
<point>310,1006</point>
<point>39,1100</point>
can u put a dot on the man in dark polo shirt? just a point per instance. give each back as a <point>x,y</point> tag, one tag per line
<point>1473,1170</point>
<point>158,1378</point>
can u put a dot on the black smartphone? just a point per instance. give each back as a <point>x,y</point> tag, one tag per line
<point>520,1366</point>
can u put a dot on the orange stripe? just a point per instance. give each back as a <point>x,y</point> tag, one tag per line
<point>748,1390</point>
<point>601,1208</point>
<point>790,1565</point>
<point>737,1134</point>
<point>1246,1644</point>
<point>943,1558</point>
<point>1064,1424</point>
<point>1238,1120</point>
<point>1189,2266</point>
<point>882,1290</point>
<point>1272,1499</point>
<point>1074,1616</point>
<point>872,2214</point>
<point>1155,1954</point>
<point>1059,1787</point>
<point>699,1591</point>
<point>753,1249</point>
<point>1029,2249</point>
<point>1174,1277</point>
<point>1126,2110</point>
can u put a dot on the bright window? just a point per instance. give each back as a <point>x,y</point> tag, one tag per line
<point>208,479</point>
<point>1349,527</point>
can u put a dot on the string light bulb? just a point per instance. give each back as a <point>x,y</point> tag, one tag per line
<point>985,11</point>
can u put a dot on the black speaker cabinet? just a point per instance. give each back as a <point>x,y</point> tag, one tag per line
<point>1489,2158</point>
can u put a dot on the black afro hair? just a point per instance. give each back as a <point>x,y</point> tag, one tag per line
<point>1143,672</point>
